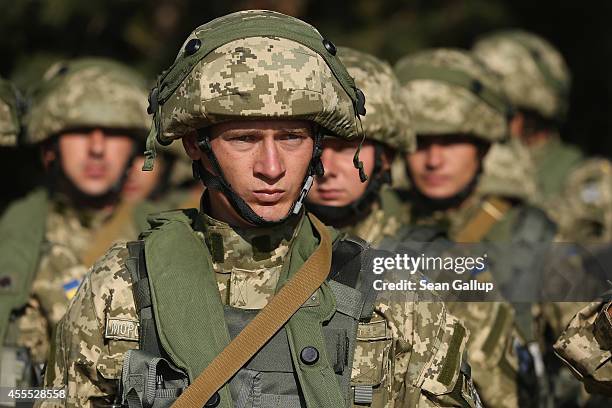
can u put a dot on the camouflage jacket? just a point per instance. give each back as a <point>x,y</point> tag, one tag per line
<point>493,360</point>
<point>403,348</point>
<point>585,346</point>
<point>386,217</point>
<point>68,235</point>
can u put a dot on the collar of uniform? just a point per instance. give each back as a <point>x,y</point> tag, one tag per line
<point>247,248</point>
<point>87,217</point>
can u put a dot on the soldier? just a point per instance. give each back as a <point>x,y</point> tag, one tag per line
<point>372,211</point>
<point>459,111</point>
<point>86,116</point>
<point>586,346</point>
<point>250,94</point>
<point>536,79</point>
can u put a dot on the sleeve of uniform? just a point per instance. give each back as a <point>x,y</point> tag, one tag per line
<point>585,347</point>
<point>87,361</point>
<point>428,368</point>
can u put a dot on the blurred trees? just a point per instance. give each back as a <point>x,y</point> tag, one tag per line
<point>147,34</point>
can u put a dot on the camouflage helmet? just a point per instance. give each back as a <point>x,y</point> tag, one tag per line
<point>10,114</point>
<point>250,65</point>
<point>388,118</point>
<point>533,72</point>
<point>449,91</point>
<point>87,92</point>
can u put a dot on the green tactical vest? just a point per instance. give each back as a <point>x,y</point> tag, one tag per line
<point>171,268</point>
<point>554,162</point>
<point>22,228</point>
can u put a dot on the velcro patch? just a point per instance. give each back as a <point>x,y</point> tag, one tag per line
<point>121,329</point>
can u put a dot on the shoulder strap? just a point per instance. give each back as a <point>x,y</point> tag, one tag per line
<point>352,258</point>
<point>491,210</point>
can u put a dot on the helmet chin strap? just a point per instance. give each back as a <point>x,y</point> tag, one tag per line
<point>218,181</point>
<point>344,215</point>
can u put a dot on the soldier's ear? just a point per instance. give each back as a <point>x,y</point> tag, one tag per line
<point>191,146</point>
<point>48,155</point>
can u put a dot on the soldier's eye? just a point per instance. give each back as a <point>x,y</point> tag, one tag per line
<point>243,138</point>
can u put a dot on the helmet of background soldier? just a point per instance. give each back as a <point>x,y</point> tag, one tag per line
<point>10,114</point>
<point>533,72</point>
<point>87,92</point>
<point>449,91</point>
<point>388,119</point>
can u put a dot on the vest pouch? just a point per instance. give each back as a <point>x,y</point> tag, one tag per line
<point>372,366</point>
<point>150,382</point>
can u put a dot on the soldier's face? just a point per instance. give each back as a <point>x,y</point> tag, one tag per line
<point>94,160</point>
<point>340,185</point>
<point>442,166</point>
<point>140,184</point>
<point>265,162</point>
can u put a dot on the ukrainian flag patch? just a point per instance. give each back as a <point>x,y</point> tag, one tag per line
<point>70,288</point>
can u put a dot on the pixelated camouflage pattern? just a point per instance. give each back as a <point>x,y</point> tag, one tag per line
<point>518,57</point>
<point>583,210</point>
<point>9,115</point>
<point>68,235</point>
<point>88,92</point>
<point>387,118</point>
<point>580,350</point>
<point>256,78</point>
<point>491,351</point>
<point>387,216</point>
<point>508,171</point>
<point>251,262</point>
<point>405,361</point>
<point>441,108</point>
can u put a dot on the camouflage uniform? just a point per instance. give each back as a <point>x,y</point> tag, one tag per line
<point>451,92</point>
<point>536,78</point>
<point>403,349</point>
<point>585,347</point>
<point>76,94</point>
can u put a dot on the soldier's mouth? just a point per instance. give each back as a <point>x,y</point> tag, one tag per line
<point>268,195</point>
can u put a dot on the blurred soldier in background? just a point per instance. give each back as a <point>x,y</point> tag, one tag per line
<point>370,210</point>
<point>87,116</point>
<point>575,191</point>
<point>249,94</point>
<point>459,111</point>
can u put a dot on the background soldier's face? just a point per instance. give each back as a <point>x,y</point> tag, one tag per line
<point>94,160</point>
<point>265,162</point>
<point>140,184</point>
<point>442,166</point>
<point>340,185</point>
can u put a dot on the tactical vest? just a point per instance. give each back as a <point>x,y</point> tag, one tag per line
<point>285,371</point>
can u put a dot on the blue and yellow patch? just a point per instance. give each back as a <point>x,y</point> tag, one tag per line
<point>70,288</point>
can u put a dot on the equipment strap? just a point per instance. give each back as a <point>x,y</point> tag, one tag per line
<point>108,234</point>
<point>490,212</point>
<point>267,322</point>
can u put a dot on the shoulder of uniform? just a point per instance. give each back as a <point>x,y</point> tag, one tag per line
<point>110,270</point>
<point>187,216</point>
